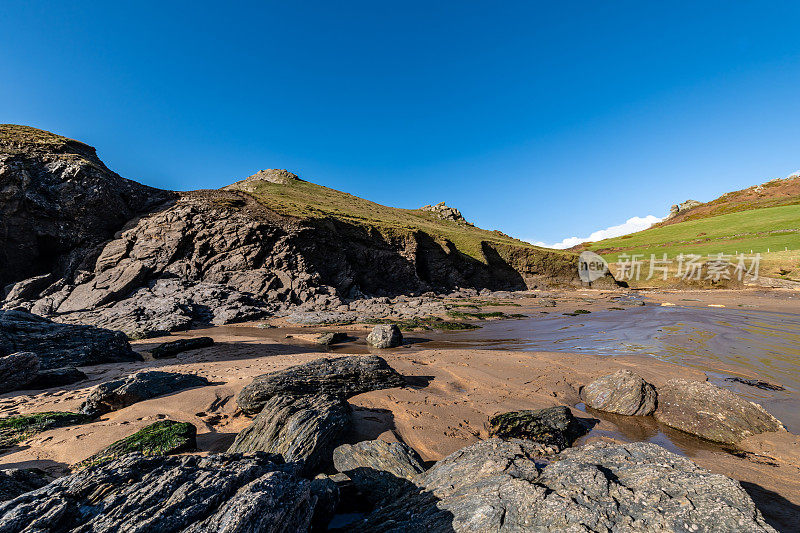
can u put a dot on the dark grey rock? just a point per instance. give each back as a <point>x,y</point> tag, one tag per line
<point>305,428</point>
<point>59,345</point>
<point>119,393</point>
<point>56,377</point>
<point>18,370</point>
<point>553,427</point>
<point>173,348</point>
<point>497,485</point>
<point>385,336</point>
<point>339,376</point>
<point>379,469</point>
<point>622,392</point>
<point>217,493</point>
<point>711,412</point>
<point>16,481</point>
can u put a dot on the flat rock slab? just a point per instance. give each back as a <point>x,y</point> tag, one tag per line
<point>18,370</point>
<point>379,469</point>
<point>622,392</point>
<point>304,429</point>
<point>173,348</point>
<point>59,345</point>
<point>495,485</point>
<point>165,437</point>
<point>119,393</point>
<point>553,427</point>
<point>168,494</point>
<point>342,377</point>
<point>711,412</point>
<point>14,429</point>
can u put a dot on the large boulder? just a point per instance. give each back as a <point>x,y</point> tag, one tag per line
<point>342,377</point>
<point>498,486</point>
<point>385,336</point>
<point>217,493</point>
<point>305,429</point>
<point>622,392</point>
<point>711,412</point>
<point>59,345</point>
<point>18,370</point>
<point>553,427</point>
<point>165,437</point>
<point>119,393</point>
<point>379,469</point>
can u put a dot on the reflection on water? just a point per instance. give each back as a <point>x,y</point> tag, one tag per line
<point>721,342</point>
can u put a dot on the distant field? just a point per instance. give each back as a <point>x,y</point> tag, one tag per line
<point>758,230</point>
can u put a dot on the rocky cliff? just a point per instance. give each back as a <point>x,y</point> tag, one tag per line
<point>81,244</point>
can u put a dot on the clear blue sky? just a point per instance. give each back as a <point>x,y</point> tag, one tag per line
<point>539,119</point>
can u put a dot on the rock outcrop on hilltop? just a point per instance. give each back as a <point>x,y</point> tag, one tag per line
<point>79,244</point>
<point>682,207</point>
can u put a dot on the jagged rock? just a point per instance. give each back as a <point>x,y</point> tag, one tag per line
<point>326,491</point>
<point>444,212</point>
<point>498,486</point>
<point>16,481</point>
<point>710,412</point>
<point>165,437</point>
<point>342,377</point>
<point>333,337</point>
<point>14,429</point>
<point>554,427</point>
<point>622,392</point>
<point>173,348</point>
<point>217,493</point>
<point>304,429</point>
<point>119,393</point>
<point>379,469</point>
<point>677,209</point>
<point>18,370</point>
<point>56,377</point>
<point>58,201</point>
<point>385,336</point>
<point>59,345</point>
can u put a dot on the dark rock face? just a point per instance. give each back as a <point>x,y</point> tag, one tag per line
<point>173,348</point>
<point>553,427</point>
<point>385,336</point>
<point>58,201</point>
<point>498,486</point>
<point>165,437</point>
<point>379,469</point>
<point>342,377</point>
<point>59,345</point>
<point>57,377</point>
<point>18,370</point>
<point>623,392</point>
<point>298,429</point>
<point>119,393</point>
<point>711,412</point>
<point>18,481</point>
<point>218,493</point>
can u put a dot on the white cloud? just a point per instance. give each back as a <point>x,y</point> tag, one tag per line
<point>631,225</point>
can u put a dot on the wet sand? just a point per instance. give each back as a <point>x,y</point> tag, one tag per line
<point>452,390</point>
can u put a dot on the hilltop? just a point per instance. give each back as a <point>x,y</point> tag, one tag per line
<point>79,243</point>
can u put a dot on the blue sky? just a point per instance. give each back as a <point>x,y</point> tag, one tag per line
<point>544,121</point>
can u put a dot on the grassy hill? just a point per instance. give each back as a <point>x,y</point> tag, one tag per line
<point>302,199</point>
<point>762,219</point>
